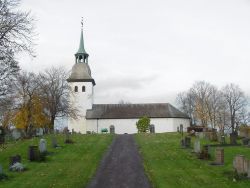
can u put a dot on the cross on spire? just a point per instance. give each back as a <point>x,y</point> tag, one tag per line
<point>81,55</point>
<point>82,22</point>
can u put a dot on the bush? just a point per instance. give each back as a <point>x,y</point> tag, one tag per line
<point>143,125</point>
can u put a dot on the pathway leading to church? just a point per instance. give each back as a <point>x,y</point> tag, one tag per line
<point>121,167</point>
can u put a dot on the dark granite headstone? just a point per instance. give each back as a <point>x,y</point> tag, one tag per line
<point>33,153</point>
<point>112,129</point>
<point>152,129</point>
<point>2,140</point>
<point>233,138</point>
<point>187,141</point>
<point>1,169</point>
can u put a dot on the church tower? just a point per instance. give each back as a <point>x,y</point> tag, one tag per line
<point>82,86</point>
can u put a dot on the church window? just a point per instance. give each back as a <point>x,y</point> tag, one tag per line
<point>83,88</point>
<point>76,89</point>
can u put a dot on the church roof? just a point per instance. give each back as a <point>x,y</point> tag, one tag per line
<point>130,111</point>
<point>81,72</point>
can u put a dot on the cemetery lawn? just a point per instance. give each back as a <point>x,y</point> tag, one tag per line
<point>71,165</point>
<point>167,165</point>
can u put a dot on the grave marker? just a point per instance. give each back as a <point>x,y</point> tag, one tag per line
<point>197,146</point>
<point>238,164</point>
<point>152,128</point>
<point>187,141</point>
<point>16,134</point>
<point>42,146</point>
<point>1,169</point>
<point>219,156</point>
<point>2,140</point>
<point>54,142</point>
<point>33,153</point>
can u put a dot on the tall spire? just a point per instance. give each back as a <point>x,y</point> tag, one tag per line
<point>81,55</point>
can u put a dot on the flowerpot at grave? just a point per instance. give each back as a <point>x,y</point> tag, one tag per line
<point>15,159</point>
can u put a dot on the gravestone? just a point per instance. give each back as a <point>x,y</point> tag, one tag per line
<point>42,146</point>
<point>187,141</point>
<point>54,142</point>
<point>16,134</point>
<point>197,146</point>
<point>181,129</point>
<point>15,159</point>
<point>201,135</point>
<point>68,139</point>
<point>238,164</point>
<point>2,140</point>
<point>1,169</point>
<point>33,153</point>
<point>205,153</point>
<point>219,156</point>
<point>248,171</point>
<point>152,128</point>
<point>183,143</point>
<point>39,132</point>
<point>222,140</point>
<point>112,129</point>
<point>233,139</point>
<point>245,141</point>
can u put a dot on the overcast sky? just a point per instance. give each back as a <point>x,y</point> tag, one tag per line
<point>145,50</point>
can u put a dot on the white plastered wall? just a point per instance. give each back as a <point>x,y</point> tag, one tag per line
<point>129,125</point>
<point>83,101</point>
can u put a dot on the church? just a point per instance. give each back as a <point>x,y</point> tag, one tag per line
<point>116,118</point>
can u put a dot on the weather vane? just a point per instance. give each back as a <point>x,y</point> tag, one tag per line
<point>82,22</point>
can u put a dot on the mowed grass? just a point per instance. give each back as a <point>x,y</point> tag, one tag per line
<point>167,165</point>
<point>71,165</point>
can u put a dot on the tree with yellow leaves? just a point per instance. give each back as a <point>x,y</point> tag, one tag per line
<point>31,111</point>
<point>31,116</point>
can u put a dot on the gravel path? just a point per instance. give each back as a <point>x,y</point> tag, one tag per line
<point>121,167</point>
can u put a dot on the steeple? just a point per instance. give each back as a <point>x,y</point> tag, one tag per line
<point>81,55</point>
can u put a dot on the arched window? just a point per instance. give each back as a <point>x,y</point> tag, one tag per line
<point>76,88</point>
<point>83,88</point>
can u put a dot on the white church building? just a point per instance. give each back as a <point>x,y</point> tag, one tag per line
<point>116,118</point>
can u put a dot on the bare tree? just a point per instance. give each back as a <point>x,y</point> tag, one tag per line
<point>201,91</point>
<point>16,35</point>
<point>235,101</point>
<point>26,90</point>
<point>16,29</point>
<point>55,93</point>
<point>186,101</point>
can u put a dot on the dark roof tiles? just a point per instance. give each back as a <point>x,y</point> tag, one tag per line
<point>130,111</point>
